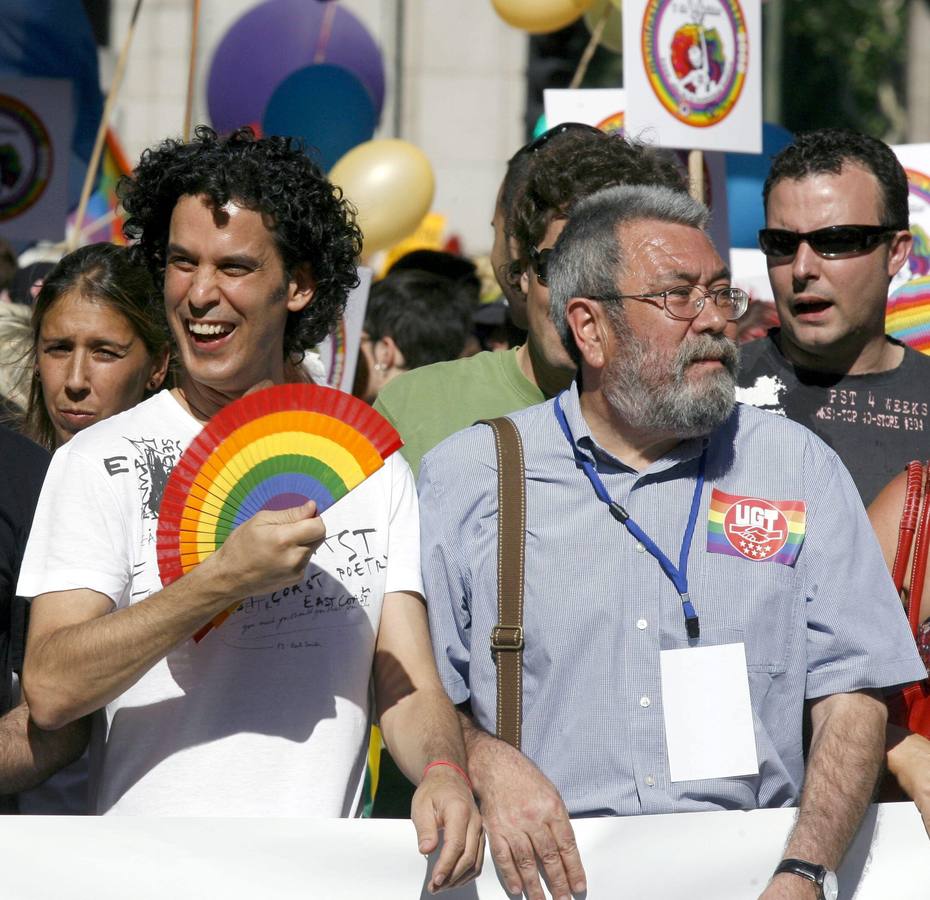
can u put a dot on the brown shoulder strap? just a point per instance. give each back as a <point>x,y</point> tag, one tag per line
<point>507,635</point>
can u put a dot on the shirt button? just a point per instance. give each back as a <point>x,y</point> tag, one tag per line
<point>640,547</point>
<point>642,624</point>
<point>650,781</point>
<point>644,702</point>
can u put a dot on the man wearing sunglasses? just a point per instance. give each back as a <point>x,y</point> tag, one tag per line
<point>836,234</point>
<point>668,541</point>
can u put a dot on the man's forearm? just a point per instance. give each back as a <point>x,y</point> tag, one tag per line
<point>524,815</point>
<point>421,729</point>
<point>29,755</point>
<point>417,719</point>
<point>78,668</point>
<point>845,758</point>
<point>479,745</point>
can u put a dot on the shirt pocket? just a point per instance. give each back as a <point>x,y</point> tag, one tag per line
<point>763,600</point>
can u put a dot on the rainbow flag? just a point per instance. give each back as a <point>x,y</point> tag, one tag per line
<point>102,220</point>
<point>756,529</point>
<point>908,315</point>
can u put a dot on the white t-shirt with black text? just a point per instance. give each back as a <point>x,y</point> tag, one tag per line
<point>269,714</point>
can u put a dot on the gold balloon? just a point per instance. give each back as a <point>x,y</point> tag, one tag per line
<point>540,16</point>
<point>391,183</point>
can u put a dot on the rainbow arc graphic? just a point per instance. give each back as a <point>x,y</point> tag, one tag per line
<point>271,450</point>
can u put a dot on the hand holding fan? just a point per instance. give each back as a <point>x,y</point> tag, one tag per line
<point>274,449</point>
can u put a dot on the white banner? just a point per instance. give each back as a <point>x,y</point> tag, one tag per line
<point>692,70</point>
<point>723,856</point>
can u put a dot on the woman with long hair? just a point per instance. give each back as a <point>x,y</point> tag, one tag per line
<point>101,344</point>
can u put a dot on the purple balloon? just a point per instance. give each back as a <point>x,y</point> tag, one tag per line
<point>273,40</point>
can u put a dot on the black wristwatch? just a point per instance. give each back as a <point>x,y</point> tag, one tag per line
<point>828,888</point>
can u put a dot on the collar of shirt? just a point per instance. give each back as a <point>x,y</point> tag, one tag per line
<point>689,449</point>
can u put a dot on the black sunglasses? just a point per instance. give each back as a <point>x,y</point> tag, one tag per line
<point>540,142</point>
<point>836,240</point>
<point>540,262</point>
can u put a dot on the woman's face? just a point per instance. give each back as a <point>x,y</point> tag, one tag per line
<point>92,364</point>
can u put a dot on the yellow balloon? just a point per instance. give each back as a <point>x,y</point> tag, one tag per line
<point>391,184</point>
<point>540,16</point>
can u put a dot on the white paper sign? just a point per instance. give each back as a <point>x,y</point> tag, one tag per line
<point>339,351</point>
<point>36,121</point>
<point>708,714</point>
<point>603,108</point>
<point>692,72</point>
<point>750,272</point>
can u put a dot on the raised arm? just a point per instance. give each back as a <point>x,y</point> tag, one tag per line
<point>420,727</point>
<point>80,655</point>
<point>845,758</point>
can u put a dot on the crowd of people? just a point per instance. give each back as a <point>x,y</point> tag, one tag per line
<point>665,524</point>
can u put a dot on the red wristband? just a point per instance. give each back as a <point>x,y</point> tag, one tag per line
<point>451,765</point>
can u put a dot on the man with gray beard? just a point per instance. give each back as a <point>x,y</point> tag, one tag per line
<point>694,573</point>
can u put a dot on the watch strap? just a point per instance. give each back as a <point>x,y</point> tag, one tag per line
<point>804,869</point>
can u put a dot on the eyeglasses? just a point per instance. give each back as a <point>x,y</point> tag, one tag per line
<point>687,301</point>
<point>836,240</point>
<point>536,145</point>
<point>539,259</point>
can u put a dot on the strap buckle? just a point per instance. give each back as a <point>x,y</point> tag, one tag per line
<point>506,637</point>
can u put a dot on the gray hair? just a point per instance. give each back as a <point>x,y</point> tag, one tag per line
<point>586,260</point>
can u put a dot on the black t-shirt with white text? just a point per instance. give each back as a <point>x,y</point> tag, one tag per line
<point>876,423</point>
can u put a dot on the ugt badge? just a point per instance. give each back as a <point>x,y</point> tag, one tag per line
<point>754,528</point>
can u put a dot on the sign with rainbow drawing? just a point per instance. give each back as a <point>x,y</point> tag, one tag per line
<point>908,317</point>
<point>603,108</point>
<point>36,121</point>
<point>692,72</point>
<point>339,351</point>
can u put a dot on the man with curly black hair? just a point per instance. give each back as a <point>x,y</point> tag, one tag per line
<point>269,715</point>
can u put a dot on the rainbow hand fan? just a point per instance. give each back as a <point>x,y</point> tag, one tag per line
<point>274,449</point>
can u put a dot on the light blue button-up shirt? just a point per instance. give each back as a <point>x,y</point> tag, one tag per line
<point>598,609</point>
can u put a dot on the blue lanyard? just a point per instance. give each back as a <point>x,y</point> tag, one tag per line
<point>679,576</point>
